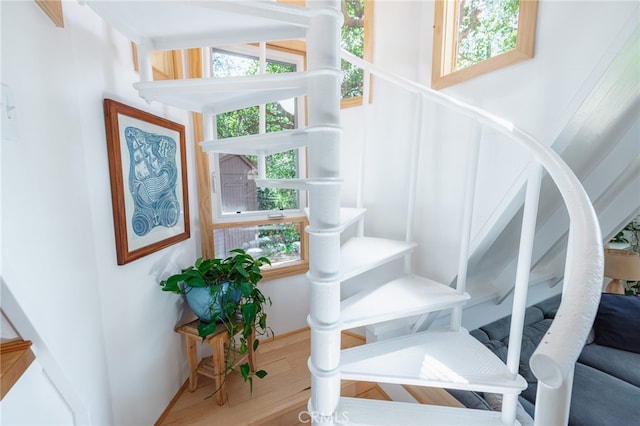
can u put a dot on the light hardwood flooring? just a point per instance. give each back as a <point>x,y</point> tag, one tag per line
<point>278,399</point>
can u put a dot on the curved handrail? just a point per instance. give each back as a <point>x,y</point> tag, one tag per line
<point>553,359</point>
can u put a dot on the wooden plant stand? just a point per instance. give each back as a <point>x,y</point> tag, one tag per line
<point>213,366</point>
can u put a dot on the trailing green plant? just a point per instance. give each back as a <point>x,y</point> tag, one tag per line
<point>632,288</point>
<point>237,274</point>
<point>630,234</point>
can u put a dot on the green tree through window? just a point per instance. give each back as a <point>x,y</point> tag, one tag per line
<point>353,42</point>
<point>486,28</point>
<point>280,241</point>
<point>476,37</point>
<point>246,121</point>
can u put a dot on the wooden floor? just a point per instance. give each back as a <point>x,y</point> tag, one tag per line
<point>278,399</point>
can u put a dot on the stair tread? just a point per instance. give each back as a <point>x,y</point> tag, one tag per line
<point>218,95</point>
<point>264,144</point>
<point>361,254</point>
<point>402,297</point>
<point>360,411</point>
<point>170,25</point>
<point>440,358</point>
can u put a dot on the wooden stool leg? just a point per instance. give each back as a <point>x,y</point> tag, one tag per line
<point>217,345</point>
<point>192,358</point>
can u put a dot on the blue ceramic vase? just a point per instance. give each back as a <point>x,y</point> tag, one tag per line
<point>200,300</point>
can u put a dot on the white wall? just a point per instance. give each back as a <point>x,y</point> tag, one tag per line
<point>43,406</point>
<point>109,327</point>
<point>48,259</point>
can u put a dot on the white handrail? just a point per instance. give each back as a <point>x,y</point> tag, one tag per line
<point>553,360</point>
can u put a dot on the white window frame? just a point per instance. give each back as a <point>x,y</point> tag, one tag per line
<point>220,217</point>
<point>443,72</point>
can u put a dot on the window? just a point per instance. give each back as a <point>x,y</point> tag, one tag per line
<point>236,174</point>
<point>264,221</point>
<point>356,39</point>
<point>474,37</point>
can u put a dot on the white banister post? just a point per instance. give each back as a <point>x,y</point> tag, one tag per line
<point>465,242</point>
<point>413,168</point>
<point>366,113</point>
<point>527,236</point>
<point>524,265</point>
<point>552,404</point>
<point>413,176</point>
<point>145,66</point>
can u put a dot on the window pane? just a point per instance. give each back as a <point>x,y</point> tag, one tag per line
<point>353,42</point>
<point>352,79</point>
<point>283,165</point>
<point>227,64</point>
<point>279,242</point>
<point>486,28</point>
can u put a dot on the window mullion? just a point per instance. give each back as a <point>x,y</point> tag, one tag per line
<point>210,125</point>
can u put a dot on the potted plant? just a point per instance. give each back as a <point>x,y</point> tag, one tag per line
<point>226,291</point>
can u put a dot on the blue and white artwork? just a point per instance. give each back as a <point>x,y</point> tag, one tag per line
<point>153,176</point>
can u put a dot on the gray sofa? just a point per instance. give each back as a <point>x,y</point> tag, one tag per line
<point>606,386</point>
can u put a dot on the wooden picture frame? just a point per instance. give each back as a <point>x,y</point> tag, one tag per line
<point>148,170</point>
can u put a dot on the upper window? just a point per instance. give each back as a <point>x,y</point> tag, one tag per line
<point>474,37</point>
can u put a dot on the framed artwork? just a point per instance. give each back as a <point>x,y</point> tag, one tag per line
<point>147,164</point>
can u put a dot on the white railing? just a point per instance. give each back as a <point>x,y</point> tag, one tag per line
<point>553,361</point>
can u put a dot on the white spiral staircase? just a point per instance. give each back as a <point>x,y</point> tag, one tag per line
<point>444,358</point>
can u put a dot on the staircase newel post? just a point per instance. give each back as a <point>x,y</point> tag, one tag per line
<point>469,201</point>
<point>323,47</point>
<point>145,68</point>
<point>552,404</point>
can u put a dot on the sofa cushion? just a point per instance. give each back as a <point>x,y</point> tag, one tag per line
<point>470,399</point>
<point>532,334</point>
<point>616,323</point>
<point>499,330</point>
<point>598,396</point>
<point>549,307</point>
<point>601,399</point>
<point>598,399</point>
<point>495,402</point>
<point>496,346</point>
<point>528,406</point>
<point>624,365</point>
<point>480,401</point>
